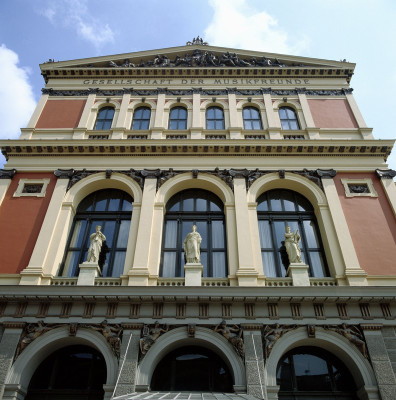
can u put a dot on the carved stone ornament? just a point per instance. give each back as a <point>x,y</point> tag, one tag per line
<point>189,92</point>
<point>31,332</point>
<point>352,333</point>
<point>64,173</point>
<point>149,335</point>
<point>191,330</point>
<point>233,335</point>
<point>386,174</point>
<point>272,333</point>
<point>112,334</point>
<point>7,173</point>
<point>326,173</point>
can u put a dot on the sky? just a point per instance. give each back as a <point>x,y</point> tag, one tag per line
<point>360,31</point>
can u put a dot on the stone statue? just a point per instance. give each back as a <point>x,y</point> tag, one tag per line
<point>353,334</point>
<point>272,334</point>
<point>292,240</point>
<point>150,335</point>
<point>97,239</point>
<point>233,335</point>
<point>192,245</point>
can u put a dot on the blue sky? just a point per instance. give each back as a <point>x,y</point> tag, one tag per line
<point>362,31</point>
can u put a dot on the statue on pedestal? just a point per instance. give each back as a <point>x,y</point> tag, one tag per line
<point>192,246</point>
<point>292,240</point>
<point>97,239</point>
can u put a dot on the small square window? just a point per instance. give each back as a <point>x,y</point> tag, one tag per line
<point>359,187</point>
<point>31,187</point>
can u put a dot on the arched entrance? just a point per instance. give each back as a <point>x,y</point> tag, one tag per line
<point>192,368</point>
<point>313,373</point>
<point>77,372</point>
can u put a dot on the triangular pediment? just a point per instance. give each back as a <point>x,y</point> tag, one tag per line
<point>197,56</point>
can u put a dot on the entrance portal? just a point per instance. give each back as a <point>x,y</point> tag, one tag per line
<point>192,368</point>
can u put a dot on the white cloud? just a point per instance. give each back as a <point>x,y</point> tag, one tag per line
<point>236,24</point>
<point>16,95</point>
<point>74,14</point>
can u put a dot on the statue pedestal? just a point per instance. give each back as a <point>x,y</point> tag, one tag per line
<point>193,274</point>
<point>88,272</point>
<point>299,274</point>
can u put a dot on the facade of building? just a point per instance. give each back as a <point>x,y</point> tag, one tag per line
<point>288,290</point>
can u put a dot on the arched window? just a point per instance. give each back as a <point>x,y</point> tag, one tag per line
<point>251,118</point>
<point>141,118</point>
<point>178,118</point>
<point>288,118</point>
<point>313,373</point>
<point>192,368</point>
<point>104,119</point>
<point>77,372</point>
<point>276,210</point>
<point>203,209</point>
<point>214,118</point>
<point>112,210</point>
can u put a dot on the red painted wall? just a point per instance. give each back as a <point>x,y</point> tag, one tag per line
<point>332,113</point>
<point>61,114</point>
<point>372,225</point>
<point>20,221</point>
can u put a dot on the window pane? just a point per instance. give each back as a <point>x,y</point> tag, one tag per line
<point>288,201</point>
<point>210,124</point>
<point>248,125</point>
<point>175,207</point>
<point>108,229</point>
<point>144,124</point>
<point>71,263</point>
<point>217,234</point>
<point>210,113</point>
<point>263,205</point>
<point>284,375</point>
<point>201,205</point>
<point>246,113</point>
<point>276,204</point>
<point>318,269</point>
<point>182,124</point>
<point>202,228</point>
<point>118,266</point>
<point>290,114</point>
<point>123,234</point>
<point>294,125</point>
<point>268,264</point>
<point>171,234</point>
<point>310,233</point>
<point>169,264</point>
<point>182,113</point>
<point>78,234</point>
<point>311,373</point>
<point>257,124</point>
<point>219,264</point>
<point>114,203</point>
<point>146,113</point>
<point>126,205</point>
<point>106,125</point>
<point>218,113</point>
<point>219,125</point>
<point>285,125</point>
<point>214,207</point>
<point>188,204</point>
<point>204,262</point>
<point>265,235</point>
<point>173,125</point>
<point>101,201</point>
<point>282,113</point>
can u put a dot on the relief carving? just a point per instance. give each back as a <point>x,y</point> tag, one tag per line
<point>353,334</point>
<point>233,335</point>
<point>272,333</point>
<point>150,335</point>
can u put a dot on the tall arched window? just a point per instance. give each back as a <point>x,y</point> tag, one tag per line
<point>251,118</point>
<point>214,118</point>
<point>77,372</point>
<point>276,210</point>
<point>141,118</point>
<point>178,118</point>
<point>312,373</point>
<point>112,210</point>
<point>288,118</point>
<point>104,119</point>
<point>203,209</point>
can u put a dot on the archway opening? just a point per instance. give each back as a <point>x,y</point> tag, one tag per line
<point>312,373</point>
<point>192,368</point>
<point>77,372</point>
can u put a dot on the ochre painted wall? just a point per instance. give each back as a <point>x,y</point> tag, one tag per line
<point>61,114</point>
<point>20,220</point>
<point>332,113</point>
<point>372,225</point>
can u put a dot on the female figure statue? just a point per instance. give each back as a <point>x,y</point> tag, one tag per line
<point>97,239</point>
<point>292,240</point>
<point>192,246</point>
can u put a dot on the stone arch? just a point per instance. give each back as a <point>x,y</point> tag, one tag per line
<point>317,198</point>
<point>203,181</point>
<point>336,344</point>
<point>30,359</point>
<point>179,338</point>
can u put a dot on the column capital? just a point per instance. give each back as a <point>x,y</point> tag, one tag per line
<point>7,173</point>
<point>385,173</point>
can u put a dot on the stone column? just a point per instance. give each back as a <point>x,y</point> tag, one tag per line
<point>37,112</point>
<point>158,128</point>
<point>380,360</point>
<point>235,128</point>
<point>196,125</point>
<point>247,273</point>
<point>129,354</point>
<point>33,273</point>
<point>389,186</point>
<point>6,176</point>
<point>355,275</point>
<point>274,125</point>
<point>8,346</point>
<point>254,361</point>
<point>312,131</point>
<point>86,118</point>
<point>139,274</point>
<point>118,130</point>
